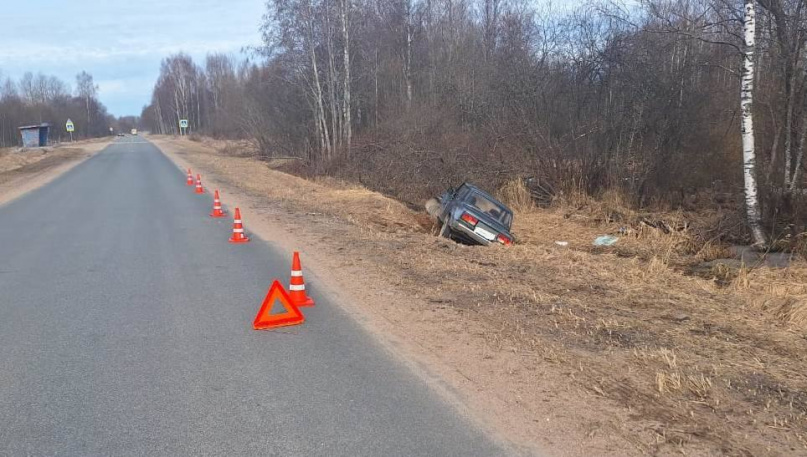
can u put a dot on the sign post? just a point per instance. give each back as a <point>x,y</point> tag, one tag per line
<point>70,128</point>
<point>183,124</point>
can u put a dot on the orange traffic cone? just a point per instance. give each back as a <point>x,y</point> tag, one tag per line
<point>190,178</point>
<point>238,229</point>
<point>217,212</point>
<point>291,316</point>
<point>297,286</point>
<point>199,188</point>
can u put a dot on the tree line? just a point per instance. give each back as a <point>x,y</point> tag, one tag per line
<point>663,100</point>
<point>39,98</point>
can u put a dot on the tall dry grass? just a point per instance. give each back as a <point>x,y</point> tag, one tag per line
<point>779,292</point>
<point>515,194</point>
<point>677,246</point>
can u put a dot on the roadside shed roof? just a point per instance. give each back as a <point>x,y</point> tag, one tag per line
<point>26,127</point>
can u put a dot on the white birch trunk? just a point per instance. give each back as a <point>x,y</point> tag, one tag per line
<point>325,139</point>
<point>791,95</point>
<point>336,120</point>
<point>87,129</point>
<point>177,112</point>
<point>408,63</point>
<point>746,108</point>
<point>346,37</point>
<point>799,156</point>
<point>317,124</point>
<point>160,120</point>
<point>802,138</point>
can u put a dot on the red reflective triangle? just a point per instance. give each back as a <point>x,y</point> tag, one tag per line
<point>265,320</point>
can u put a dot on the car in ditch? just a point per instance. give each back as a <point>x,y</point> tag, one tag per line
<point>470,215</point>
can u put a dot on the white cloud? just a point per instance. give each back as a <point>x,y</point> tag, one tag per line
<point>116,87</point>
<point>122,43</point>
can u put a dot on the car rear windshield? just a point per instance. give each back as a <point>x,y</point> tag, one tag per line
<point>491,208</point>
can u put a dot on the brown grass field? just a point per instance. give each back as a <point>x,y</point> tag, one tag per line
<point>636,349</point>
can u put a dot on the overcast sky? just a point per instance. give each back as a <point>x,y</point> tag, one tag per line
<point>121,42</point>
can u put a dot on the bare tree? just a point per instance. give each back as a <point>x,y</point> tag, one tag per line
<point>345,12</point>
<point>636,99</point>
<point>87,91</point>
<point>408,26</point>
<point>28,88</point>
<point>746,106</point>
<point>42,98</point>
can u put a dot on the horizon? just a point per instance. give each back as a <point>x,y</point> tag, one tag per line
<point>116,43</point>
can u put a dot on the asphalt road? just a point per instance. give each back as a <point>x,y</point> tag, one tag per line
<point>125,329</point>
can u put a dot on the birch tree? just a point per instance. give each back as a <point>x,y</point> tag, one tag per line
<point>310,45</point>
<point>348,132</point>
<point>746,110</point>
<point>336,119</point>
<point>407,4</point>
<point>87,90</point>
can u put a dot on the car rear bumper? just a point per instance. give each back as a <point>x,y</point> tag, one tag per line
<point>468,235</point>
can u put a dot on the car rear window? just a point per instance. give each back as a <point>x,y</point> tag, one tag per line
<point>490,208</point>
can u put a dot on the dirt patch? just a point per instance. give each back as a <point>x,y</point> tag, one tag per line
<point>569,350</point>
<point>24,170</point>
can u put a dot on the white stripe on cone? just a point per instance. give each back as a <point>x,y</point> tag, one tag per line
<point>296,274</point>
<point>296,288</point>
<point>238,230</point>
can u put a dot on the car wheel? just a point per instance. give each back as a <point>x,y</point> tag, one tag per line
<point>445,231</point>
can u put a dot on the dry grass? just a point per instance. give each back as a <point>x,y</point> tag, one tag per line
<point>712,250</point>
<point>10,159</point>
<point>668,382</point>
<point>516,195</point>
<point>13,159</point>
<point>323,196</point>
<point>15,163</point>
<point>781,293</point>
<point>701,368</point>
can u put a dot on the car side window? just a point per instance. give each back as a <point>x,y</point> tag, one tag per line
<point>508,220</point>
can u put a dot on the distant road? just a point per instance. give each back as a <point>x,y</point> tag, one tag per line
<point>125,329</point>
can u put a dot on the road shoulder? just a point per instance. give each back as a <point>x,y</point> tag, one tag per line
<point>20,174</point>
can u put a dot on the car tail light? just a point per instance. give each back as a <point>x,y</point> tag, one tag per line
<point>504,240</point>
<point>469,219</point>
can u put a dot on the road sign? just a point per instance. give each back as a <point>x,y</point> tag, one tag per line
<point>69,126</point>
<point>183,123</point>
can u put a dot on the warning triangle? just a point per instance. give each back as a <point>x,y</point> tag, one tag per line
<point>265,320</point>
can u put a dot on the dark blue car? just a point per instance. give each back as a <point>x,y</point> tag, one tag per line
<point>471,215</point>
